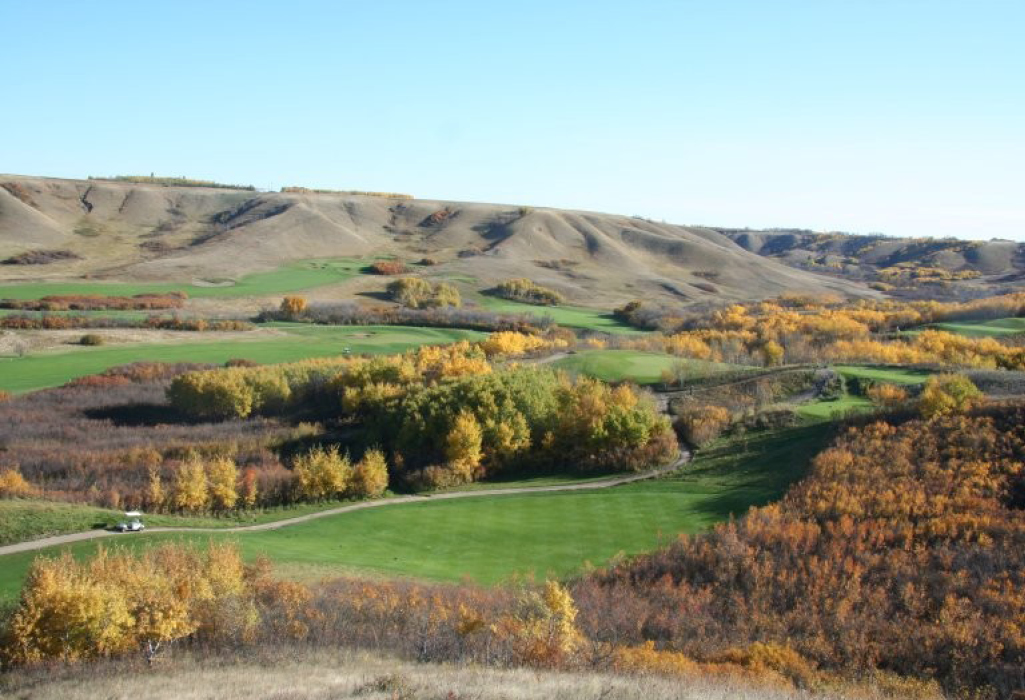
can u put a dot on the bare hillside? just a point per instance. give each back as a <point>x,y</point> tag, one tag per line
<point>902,262</point>
<point>151,232</point>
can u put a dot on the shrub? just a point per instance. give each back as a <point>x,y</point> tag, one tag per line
<point>700,425</point>
<point>945,394</point>
<point>293,306</point>
<point>389,267</point>
<point>418,293</point>
<point>527,291</point>
<point>91,339</point>
<point>13,484</point>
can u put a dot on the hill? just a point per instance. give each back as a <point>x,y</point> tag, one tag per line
<point>134,231</point>
<point>905,264</point>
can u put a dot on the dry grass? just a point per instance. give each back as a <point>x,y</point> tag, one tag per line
<point>319,675</point>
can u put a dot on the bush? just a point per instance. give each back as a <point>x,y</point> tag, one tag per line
<point>91,339</point>
<point>418,293</point>
<point>527,291</point>
<point>389,267</point>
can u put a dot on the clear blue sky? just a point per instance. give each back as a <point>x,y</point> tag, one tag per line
<point>906,117</point>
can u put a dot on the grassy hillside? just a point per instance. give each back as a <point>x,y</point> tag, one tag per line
<point>294,277</point>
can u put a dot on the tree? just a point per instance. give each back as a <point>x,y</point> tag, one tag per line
<point>294,306</point>
<point>887,396</point>
<point>322,473</point>
<point>222,476</point>
<point>13,484</point>
<point>191,491</point>
<point>370,475</point>
<point>463,445</point>
<point>948,393</point>
<point>155,489</point>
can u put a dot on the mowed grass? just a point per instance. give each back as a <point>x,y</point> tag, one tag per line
<point>297,342</point>
<point>835,408</point>
<point>632,365</point>
<point>993,328</point>
<point>293,277</point>
<point>493,538</point>
<point>569,316</point>
<point>889,375</point>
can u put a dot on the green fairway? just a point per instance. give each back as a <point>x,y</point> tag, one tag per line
<point>491,538</point>
<point>632,365</point>
<point>293,277</point>
<point>836,408</point>
<point>569,316</point>
<point>994,328</point>
<point>889,375</point>
<point>297,342</point>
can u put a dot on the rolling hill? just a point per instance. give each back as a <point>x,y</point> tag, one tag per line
<point>149,232</point>
<point>901,262</point>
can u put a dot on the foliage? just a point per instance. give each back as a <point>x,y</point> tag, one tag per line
<point>528,292</point>
<point>90,302</point>
<point>13,484</point>
<point>172,182</point>
<point>389,267</point>
<point>91,339</point>
<point>887,396</point>
<point>906,535</point>
<point>945,394</point>
<point>117,603</point>
<point>322,473</point>
<point>293,306</point>
<point>40,257</point>
<point>700,425</point>
<point>418,293</point>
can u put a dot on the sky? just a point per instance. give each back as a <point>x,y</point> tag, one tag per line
<point>903,117</point>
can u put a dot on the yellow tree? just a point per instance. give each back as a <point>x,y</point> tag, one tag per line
<point>370,475</point>
<point>13,484</point>
<point>65,614</point>
<point>948,393</point>
<point>155,489</point>
<point>322,473</point>
<point>191,491</point>
<point>293,306</point>
<point>222,476</point>
<point>463,445</point>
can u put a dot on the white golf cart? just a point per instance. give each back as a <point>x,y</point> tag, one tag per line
<point>131,523</point>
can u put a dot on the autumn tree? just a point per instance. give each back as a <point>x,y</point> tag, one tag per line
<point>370,475</point>
<point>945,394</point>
<point>293,306</point>
<point>155,489</point>
<point>13,484</point>
<point>887,396</point>
<point>463,445</point>
<point>322,473</point>
<point>222,477</point>
<point>191,490</point>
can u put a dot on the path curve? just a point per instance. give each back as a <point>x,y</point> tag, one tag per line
<point>45,542</point>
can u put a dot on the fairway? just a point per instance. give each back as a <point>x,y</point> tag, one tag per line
<point>994,328</point>
<point>633,365</point>
<point>293,277</point>
<point>889,375</point>
<point>569,316</point>
<point>298,342</point>
<point>493,538</point>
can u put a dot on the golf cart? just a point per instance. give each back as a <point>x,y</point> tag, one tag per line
<point>131,523</point>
